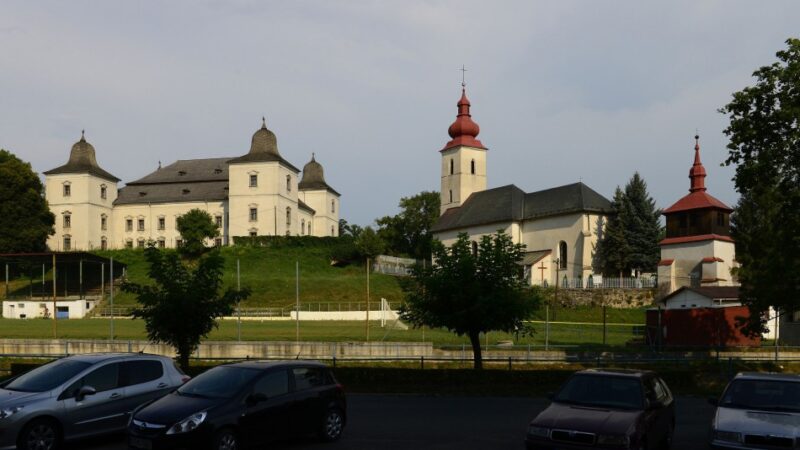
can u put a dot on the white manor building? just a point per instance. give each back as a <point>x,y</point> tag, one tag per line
<point>257,194</point>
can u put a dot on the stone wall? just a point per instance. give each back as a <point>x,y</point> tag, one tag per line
<point>612,298</point>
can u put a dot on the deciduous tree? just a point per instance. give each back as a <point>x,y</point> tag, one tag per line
<point>764,133</point>
<point>195,227</point>
<point>408,233</point>
<point>25,219</point>
<point>470,293</point>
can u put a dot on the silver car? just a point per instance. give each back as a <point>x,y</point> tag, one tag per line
<point>80,396</point>
<point>758,411</point>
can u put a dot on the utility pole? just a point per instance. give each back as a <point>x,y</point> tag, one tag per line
<point>111,283</point>
<point>238,300</point>
<point>297,295</point>
<point>55,306</point>
<point>546,327</point>
<point>557,262</point>
<point>367,325</point>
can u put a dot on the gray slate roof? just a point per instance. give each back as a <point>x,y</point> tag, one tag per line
<point>510,204</point>
<point>302,205</point>
<point>188,171</point>
<point>82,160</point>
<point>314,178</point>
<point>173,192</point>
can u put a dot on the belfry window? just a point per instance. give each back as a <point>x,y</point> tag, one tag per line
<point>562,255</point>
<point>452,166</point>
<point>451,196</point>
<point>288,183</point>
<point>333,206</point>
<point>333,233</point>
<point>472,167</point>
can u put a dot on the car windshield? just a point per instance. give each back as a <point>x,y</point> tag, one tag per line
<point>219,382</point>
<point>48,376</point>
<point>767,395</point>
<point>602,391</point>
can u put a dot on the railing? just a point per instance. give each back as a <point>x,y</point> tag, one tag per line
<point>344,306</point>
<point>608,283</point>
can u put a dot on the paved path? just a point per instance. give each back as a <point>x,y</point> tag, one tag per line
<point>395,422</point>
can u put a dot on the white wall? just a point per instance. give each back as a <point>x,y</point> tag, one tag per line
<point>462,182</point>
<point>85,207</point>
<point>688,259</point>
<point>33,309</point>
<point>151,213</point>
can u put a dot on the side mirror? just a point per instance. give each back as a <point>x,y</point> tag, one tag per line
<point>84,392</point>
<point>713,401</point>
<point>256,398</point>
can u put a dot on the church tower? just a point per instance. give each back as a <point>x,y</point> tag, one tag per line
<point>463,159</point>
<point>81,196</point>
<point>698,249</point>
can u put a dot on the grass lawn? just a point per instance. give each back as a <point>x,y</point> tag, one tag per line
<point>560,334</point>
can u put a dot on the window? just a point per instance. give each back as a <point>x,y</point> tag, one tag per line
<point>720,219</point>
<point>217,242</point>
<point>452,166</point>
<point>101,379</point>
<point>288,183</point>
<point>333,206</point>
<point>472,167</point>
<point>332,232</point>
<point>682,220</point>
<point>140,225</point>
<point>128,225</point>
<point>288,218</point>
<point>103,243</point>
<point>67,243</point>
<point>178,242</point>
<point>451,196</point>
<point>309,228</point>
<point>308,378</point>
<point>302,226</point>
<point>67,190</point>
<point>67,220</point>
<point>273,384</point>
<point>218,220</point>
<point>140,372</point>
<point>474,248</point>
<point>162,223</point>
<point>253,233</point>
<point>162,243</point>
<point>562,255</point>
<point>103,191</point>
<point>253,214</point>
<point>129,244</point>
<point>253,180</point>
<point>103,222</point>
<point>140,243</point>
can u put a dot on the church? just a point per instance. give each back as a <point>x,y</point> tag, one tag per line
<point>559,226</point>
<point>256,194</point>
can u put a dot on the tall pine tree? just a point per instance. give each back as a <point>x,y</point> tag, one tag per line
<point>612,251</point>
<point>642,226</point>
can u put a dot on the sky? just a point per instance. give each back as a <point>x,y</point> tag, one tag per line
<point>563,91</point>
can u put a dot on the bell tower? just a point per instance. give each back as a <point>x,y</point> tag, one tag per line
<point>463,159</point>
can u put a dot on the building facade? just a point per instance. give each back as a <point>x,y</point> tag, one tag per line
<point>559,226</point>
<point>257,194</point>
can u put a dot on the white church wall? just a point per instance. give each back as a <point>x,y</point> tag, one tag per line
<point>449,237</point>
<point>548,232</point>
<point>688,258</point>
<point>462,182</point>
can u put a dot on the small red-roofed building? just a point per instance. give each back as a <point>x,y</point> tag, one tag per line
<point>698,250</point>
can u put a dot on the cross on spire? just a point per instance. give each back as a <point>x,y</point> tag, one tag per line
<point>463,76</point>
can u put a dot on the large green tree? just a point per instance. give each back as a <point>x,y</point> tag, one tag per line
<point>764,134</point>
<point>25,219</point>
<point>369,244</point>
<point>195,227</point>
<point>642,223</point>
<point>470,293</point>
<point>181,302</point>
<point>612,251</point>
<point>408,233</point>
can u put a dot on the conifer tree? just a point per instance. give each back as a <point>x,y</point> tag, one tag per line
<point>612,253</point>
<point>642,226</point>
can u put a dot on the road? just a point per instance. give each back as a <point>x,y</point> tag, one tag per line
<point>395,422</point>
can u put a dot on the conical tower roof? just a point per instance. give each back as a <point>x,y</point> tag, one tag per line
<point>82,159</point>
<point>314,177</point>
<point>263,148</point>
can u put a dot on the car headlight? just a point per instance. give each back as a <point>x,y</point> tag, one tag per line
<point>6,412</point>
<point>188,424</point>
<point>728,436</point>
<point>613,440</point>
<point>539,431</point>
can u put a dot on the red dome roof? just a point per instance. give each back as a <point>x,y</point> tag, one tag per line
<point>464,130</point>
<point>697,197</point>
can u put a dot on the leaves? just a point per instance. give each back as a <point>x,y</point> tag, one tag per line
<point>25,219</point>
<point>195,227</point>
<point>408,233</point>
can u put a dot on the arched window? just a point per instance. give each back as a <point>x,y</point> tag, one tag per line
<point>452,165</point>
<point>288,183</point>
<point>472,167</point>
<point>474,248</point>
<point>302,227</point>
<point>562,255</point>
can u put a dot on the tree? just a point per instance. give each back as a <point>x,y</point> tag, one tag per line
<point>181,305</point>
<point>469,293</point>
<point>349,229</point>
<point>764,134</point>
<point>408,233</point>
<point>195,227</point>
<point>642,225</point>
<point>612,252</point>
<point>369,244</point>
<point>25,219</point>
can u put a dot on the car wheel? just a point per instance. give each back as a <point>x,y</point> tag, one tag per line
<point>40,434</point>
<point>332,425</point>
<point>225,440</point>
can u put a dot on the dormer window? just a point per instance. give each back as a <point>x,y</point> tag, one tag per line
<point>142,193</point>
<point>217,171</point>
<point>67,190</point>
<point>181,172</point>
<point>253,180</point>
<point>103,191</point>
<point>186,191</point>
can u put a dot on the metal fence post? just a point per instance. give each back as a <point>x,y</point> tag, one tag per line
<point>422,362</point>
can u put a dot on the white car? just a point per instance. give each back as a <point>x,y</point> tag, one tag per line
<point>758,411</point>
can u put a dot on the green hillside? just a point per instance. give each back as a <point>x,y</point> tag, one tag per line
<point>270,273</point>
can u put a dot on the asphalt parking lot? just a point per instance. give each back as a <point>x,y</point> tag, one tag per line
<point>389,422</point>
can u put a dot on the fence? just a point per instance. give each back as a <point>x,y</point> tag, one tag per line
<point>598,282</point>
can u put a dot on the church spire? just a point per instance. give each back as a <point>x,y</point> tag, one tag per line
<point>697,173</point>
<point>464,130</point>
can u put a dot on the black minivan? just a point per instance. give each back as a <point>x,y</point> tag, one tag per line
<point>238,405</point>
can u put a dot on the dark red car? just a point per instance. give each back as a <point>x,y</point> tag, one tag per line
<point>610,409</point>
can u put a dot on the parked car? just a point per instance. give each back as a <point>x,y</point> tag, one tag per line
<point>242,404</point>
<point>622,409</point>
<point>756,411</point>
<point>80,396</point>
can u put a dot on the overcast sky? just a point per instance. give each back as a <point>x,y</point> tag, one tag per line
<point>563,91</point>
